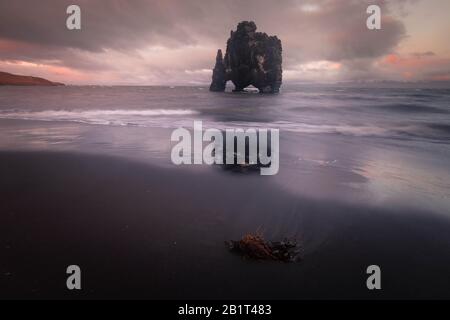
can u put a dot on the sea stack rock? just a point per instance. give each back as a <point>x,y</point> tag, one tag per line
<point>218,82</point>
<point>252,58</point>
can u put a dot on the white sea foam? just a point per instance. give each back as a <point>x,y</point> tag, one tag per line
<point>172,118</point>
<point>55,114</point>
<point>102,117</point>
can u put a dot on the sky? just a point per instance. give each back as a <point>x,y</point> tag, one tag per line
<point>174,42</point>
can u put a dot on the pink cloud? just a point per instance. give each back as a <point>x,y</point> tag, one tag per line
<point>416,66</point>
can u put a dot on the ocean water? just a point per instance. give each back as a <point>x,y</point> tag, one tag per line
<point>370,144</point>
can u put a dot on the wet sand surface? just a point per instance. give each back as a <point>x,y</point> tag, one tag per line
<point>139,231</point>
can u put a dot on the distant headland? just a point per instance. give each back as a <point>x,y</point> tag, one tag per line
<point>8,79</point>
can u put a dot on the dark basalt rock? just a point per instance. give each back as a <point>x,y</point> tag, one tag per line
<point>252,58</point>
<point>247,166</point>
<point>219,83</point>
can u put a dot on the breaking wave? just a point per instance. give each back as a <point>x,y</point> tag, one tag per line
<point>105,117</point>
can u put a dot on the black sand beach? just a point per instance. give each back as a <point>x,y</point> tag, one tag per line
<point>143,232</point>
<point>237,151</point>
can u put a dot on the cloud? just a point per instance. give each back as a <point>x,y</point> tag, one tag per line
<point>416,66</point>
<point>174,40</point>
<point>423,54</point>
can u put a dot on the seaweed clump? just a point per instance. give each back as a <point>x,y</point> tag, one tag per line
<point>255,247</point>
